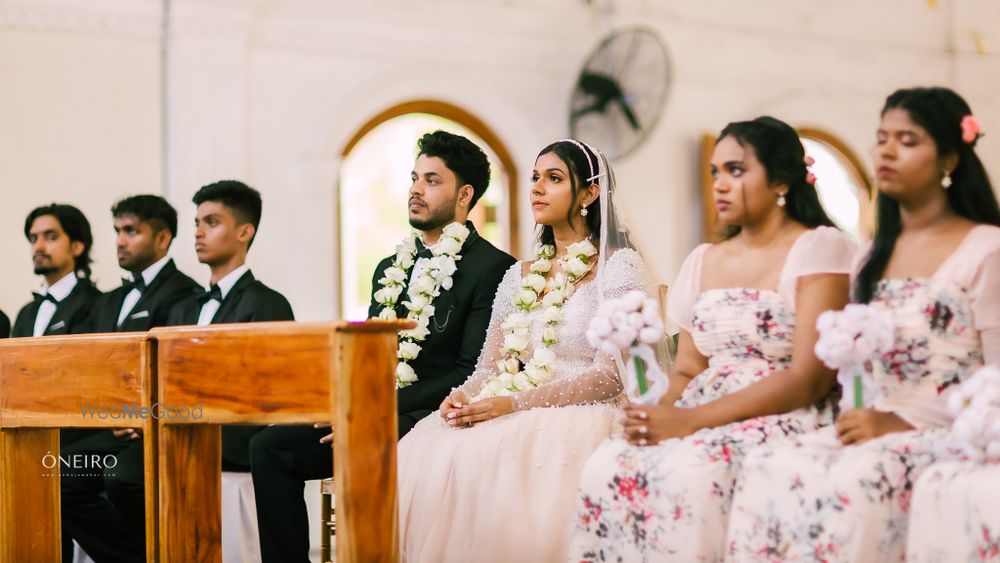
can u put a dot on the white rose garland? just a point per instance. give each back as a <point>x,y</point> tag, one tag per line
<point>421,293</point>
<point>535,292</point>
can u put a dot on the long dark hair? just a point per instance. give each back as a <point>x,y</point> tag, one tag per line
<point>580,161</point>
<point>76,226</point>
<point>780,151</point>
<point>939,111</point>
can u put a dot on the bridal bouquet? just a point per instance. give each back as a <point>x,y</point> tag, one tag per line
<point>976,406</point>
<point>632,323</point>
<point>848,340</point>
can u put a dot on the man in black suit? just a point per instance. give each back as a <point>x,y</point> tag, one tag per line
<point>108,522</point>
<point>4,325</point>
<point>145,227</point>
<point>60,240</point>
<point>226,223</point>
<point>450,175</point>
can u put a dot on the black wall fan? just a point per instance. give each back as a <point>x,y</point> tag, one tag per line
<point>621,91</point>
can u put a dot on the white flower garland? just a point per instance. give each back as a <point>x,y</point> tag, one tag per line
<point>510,378</point>
<point>421,293</point>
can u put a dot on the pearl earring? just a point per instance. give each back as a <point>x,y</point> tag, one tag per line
<point>583,211</point>
<point>781,200</point>
<point>946,180</point>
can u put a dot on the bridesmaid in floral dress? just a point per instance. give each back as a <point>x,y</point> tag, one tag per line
<point>843,493</point>
<point>745,372</point>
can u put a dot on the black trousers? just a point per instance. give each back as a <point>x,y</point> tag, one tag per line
<point>105,513</point>
<point>282,459</point>
<point>88,514</point>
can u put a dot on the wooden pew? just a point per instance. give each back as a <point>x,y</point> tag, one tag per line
<point>279,373</point>
<point>45,385</point>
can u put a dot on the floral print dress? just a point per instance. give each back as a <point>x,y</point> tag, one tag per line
<point>813,499</point>
<point>955,515</point>
<point>670,502</point>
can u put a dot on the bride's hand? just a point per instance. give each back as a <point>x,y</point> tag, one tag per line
<point>452,403</point>
<point>649,425</point>
<point>482,410</point>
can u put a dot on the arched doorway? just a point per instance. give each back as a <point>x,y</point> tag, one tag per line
<point>375,178</point>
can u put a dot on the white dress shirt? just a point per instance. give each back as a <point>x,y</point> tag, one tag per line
<point>211,307</point>
<point>59,291</point>
<point>148,275</point>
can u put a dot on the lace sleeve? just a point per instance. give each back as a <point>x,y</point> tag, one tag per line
<point>486,366</point>
<point>599,380</point>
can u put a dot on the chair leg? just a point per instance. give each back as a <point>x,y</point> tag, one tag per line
<point>324,542</point>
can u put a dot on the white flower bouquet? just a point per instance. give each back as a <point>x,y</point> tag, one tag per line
<point>632,323</point>
<point>976,406</point>
<point>848,340</point>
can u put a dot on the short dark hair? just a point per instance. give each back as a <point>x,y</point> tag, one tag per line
<point>243,201</point>
<point>779,150</point>
<point>461,156</point>
<point>76,226</point>
<point>151,209</point>
<point>939,111</point>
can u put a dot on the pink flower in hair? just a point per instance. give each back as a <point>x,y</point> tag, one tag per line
<point>809,160</point>
<point>811,178</point>
<point>970,129</point>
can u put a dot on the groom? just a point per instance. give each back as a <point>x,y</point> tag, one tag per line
<point>450,175</point>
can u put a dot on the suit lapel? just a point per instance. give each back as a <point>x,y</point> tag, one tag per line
<point>147,300</point>
<point>24,324</point>
<point>66,310</point>
<point>227,311</point>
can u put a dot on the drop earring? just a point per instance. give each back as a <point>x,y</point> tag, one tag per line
<point>946,180</point>
<point>583,211</point>
<point>781,200</point>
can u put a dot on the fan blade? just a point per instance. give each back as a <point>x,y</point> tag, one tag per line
<point>603,88</point>
<point>629,114</point>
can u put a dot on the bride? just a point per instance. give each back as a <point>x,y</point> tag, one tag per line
<point>494,476</point>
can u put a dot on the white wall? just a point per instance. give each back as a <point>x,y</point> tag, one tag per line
<point>270,91</point>
<point>79,122</point>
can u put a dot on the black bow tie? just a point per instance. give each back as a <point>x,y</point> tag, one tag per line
<point>212,293</point>
<point>139,284</point>
<point>423,251</point>
<point>39,298</point>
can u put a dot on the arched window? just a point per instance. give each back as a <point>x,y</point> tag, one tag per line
<point>374,181</point>
<point>844,189</point>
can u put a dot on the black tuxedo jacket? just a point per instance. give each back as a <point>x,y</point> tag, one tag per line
<point>458,328</point>
<point>73,314</point>
<point>4,325</point>
<point>247,302</point>
<point>169,287</point>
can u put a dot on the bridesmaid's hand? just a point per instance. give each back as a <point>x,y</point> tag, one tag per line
<point>857,426</point>
<point>649,425</point>
<point>452,403</point>
<point>482,410</point>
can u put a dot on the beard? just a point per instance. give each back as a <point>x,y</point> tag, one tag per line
<point>439,217</point>
<point>45,270</point>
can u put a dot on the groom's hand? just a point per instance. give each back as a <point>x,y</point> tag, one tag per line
<point>452,404</point>
<point>328,439</point>
<point>482,410</point>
